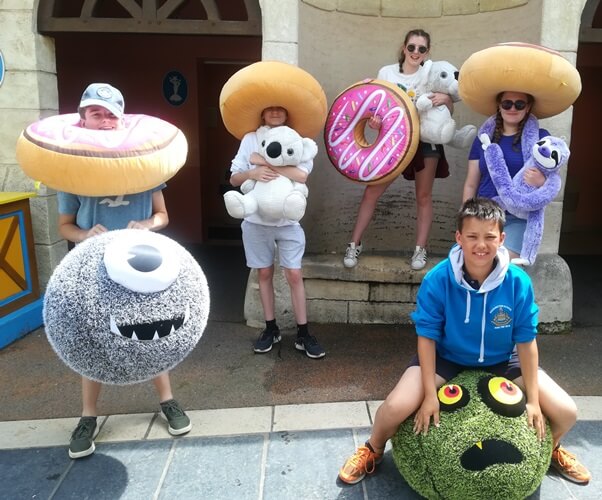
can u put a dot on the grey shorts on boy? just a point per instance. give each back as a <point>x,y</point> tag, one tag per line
<point>260,245</point>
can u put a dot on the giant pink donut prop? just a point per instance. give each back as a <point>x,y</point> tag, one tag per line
<point>143,154</point>
<point>346,144</point>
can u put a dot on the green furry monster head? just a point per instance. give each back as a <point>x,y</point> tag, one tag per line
<point>483,447</point>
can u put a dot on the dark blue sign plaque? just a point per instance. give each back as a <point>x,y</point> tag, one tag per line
<point>175,88</point>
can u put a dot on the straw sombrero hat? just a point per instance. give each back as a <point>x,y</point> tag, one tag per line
<point>272,83</point>
<point>519,67</point>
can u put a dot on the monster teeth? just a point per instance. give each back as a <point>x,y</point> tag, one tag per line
<point>187,313</point>
<point>114,327</point>
<point>172,330</point>
<point>134,336</point>
<point>156,335</point>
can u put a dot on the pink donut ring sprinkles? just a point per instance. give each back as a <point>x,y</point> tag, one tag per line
<point>346,144</point>
<point>144,153</point>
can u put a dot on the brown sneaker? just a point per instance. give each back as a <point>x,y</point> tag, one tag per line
<point>363,462</point>
<point>569,467</point>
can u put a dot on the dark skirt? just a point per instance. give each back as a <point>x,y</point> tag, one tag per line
<point>417,163</point>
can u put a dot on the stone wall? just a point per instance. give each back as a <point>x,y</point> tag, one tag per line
<point>341,42</point>
<point>28,93</point>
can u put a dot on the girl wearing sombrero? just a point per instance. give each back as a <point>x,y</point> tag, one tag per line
<point>515,84</point>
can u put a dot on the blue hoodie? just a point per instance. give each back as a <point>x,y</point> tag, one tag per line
<point>476,327</point>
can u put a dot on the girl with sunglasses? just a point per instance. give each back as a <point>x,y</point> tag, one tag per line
<point>428,163</point>
<point>513,111</point>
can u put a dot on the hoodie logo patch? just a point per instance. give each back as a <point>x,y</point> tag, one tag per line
<point>501,316</point>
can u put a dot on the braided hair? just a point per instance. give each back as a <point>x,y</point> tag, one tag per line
<point>499,123</point>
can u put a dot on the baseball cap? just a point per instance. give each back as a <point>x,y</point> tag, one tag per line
<point>105,95</point>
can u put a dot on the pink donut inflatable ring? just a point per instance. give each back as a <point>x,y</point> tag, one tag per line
<point>143,154</point>
<point>344,134</point>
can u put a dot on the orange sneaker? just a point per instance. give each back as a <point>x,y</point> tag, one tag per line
<point>362,462</point>
<point>569,467</point>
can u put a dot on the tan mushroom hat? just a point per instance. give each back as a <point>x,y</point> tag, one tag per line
<point>272,83</point>
<point>519,67</point>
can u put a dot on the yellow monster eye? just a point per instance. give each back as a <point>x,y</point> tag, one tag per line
<point>452,396</point>
<point>502,396</point>
<point>505,391</point>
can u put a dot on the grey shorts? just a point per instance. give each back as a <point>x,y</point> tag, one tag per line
<point>261,241</point>
<point>515,232</point>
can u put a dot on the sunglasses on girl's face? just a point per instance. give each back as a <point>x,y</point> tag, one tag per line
<point>519,105</point>
<point>421,48</point>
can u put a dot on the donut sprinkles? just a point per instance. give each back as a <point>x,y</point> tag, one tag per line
<point>346,144</point>
<point>143,154</point>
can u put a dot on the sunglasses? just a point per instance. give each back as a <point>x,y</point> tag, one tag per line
<point>519,105</point>
<point>421,48</point>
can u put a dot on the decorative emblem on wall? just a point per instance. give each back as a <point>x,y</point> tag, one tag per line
<point>175,88</point>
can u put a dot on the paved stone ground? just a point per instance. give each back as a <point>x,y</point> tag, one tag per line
<point>362,364</point>
<point>273,466</point>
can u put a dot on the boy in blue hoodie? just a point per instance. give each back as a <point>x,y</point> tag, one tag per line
<point>473,311</point>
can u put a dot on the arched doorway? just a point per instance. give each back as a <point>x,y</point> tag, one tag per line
<point>140,47</point>
<point>581,232</point>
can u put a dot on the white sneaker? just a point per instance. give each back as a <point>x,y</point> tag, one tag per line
<point>351,254</point>
<point>418,259</point>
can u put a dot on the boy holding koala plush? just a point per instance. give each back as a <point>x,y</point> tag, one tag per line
<point>261,237</point>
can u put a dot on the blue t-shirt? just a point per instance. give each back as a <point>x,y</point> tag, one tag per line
<point>113,212</point>
<point>514,161</point>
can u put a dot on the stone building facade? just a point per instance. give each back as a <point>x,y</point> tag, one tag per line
<point>339,42</point>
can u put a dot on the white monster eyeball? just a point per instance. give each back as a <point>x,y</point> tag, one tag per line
<point>141,263</point>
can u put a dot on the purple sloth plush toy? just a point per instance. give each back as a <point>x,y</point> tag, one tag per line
<point>547,154</point>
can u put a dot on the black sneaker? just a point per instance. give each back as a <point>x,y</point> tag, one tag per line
<point>266,340</point>
<point>82,439</point>
<point>309,344</point>
<point>177,421</point>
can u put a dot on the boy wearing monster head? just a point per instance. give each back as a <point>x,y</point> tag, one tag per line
<point>80,217</point>
<point>473,310</point>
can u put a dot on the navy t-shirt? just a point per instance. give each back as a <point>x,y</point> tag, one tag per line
<point>514,161</point>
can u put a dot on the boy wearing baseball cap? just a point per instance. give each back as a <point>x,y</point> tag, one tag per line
<point>80,217</point>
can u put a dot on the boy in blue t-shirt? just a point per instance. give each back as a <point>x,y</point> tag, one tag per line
<point>81,217</point>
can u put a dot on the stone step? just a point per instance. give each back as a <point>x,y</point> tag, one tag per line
<point>382,289</point>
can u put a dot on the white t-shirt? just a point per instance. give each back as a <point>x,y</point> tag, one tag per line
<point>408,83</point>
<point>240,163</point>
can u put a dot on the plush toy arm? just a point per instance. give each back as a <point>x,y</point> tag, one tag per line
<point>498,170</point>
<point>531,199</point>
<point>538,199</point>
<point>302,188</point>
<point>485,141</point>
<point>424,102</point>
<point>247,186</point>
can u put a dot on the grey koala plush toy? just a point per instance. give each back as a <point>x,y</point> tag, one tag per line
<point>126,305</point>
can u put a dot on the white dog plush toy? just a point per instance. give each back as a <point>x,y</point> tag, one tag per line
<point>280,198</point>
<point>436,123</point>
